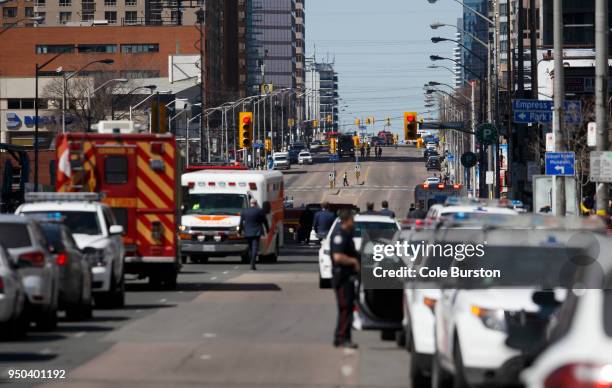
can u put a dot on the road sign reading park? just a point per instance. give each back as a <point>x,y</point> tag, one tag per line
<point>560,163</point>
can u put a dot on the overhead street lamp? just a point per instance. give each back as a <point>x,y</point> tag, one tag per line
<point>436,25</point>
<point>36,19</point>
<point>150,87</point>
<point>437,39</point>
<point>65,88</point>
<point>89,95</point>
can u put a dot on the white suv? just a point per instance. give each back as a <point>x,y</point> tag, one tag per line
<point>95,231</point>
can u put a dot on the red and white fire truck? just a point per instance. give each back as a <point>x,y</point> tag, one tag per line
<point>138,174</point>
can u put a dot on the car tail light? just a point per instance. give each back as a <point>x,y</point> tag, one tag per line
<point>36,259</point>
<point>425,186</point>
<point>1,286</point>
<point>455,186</point>
<point>441,186</point>
<point>61,258</point>
<point>580,375</point>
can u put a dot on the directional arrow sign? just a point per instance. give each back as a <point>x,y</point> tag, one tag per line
<point>560,163</point>
<point>541,111</point>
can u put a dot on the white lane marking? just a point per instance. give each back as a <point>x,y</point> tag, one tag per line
<point>346,370</point>
<point>163,300</point>
<point>209,335</point>
<point>79,334</point>
<point>236,267</point>
<point>213,278</point>
<point>225,272</point>
<point>138,311</point>
<point>349,351</point>
<point>45,351</point>
<point>205,357</point>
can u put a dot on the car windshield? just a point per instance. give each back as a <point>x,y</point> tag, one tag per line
<point>376,230</point>
<point>305,154</point>
<point>14,235</point>
<point>218,204</point>
<point>79,222</point>
<point>53,233</point>
<point>280,158</point>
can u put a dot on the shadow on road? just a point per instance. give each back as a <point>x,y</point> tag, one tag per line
<point>25,357</point>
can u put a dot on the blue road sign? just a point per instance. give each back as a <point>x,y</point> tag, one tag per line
<point>560,163</point>
<point>450,157</point>
<point>541,111</point>
<point>257,145</point>
<point>333,158</point>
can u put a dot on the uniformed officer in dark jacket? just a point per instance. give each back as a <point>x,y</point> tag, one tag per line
<point>253,225</point>
<point>385,211</point>
<point>323,221</point>
<point>418,213</point>
<point>346,267</point>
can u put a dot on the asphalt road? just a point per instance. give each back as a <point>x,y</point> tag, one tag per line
<point>226,326</point>
<point>391,178</point>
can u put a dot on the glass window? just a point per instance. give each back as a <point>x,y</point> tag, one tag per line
<point>14,236</point>
<point>28,103</point>
<point>54,48</point>
<point>43,16</point>
<point>131,17</point>
<point>79,222</point>
<point>53,233</point>
<point>116,169</point>
<point>111,17</point>
<point>110,3</point>
<point>139,48</point>
<point>130,2</point>
<point>218,204</point>
<point>65,3</point>
<point>65,17</point>
<point>97,48</point>
<point>29,12</point>
<point>13,103</point>
<point>9,12</point>
<point>121,215</point>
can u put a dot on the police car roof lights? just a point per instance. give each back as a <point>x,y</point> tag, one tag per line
<point>62,197</point>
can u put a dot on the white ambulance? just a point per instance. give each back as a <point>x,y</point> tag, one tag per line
<point>211,205</point>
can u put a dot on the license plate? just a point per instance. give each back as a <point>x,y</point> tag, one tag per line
<point>208,248</point>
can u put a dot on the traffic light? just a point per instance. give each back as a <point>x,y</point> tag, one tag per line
<point>357,122</point>
<point>245,132</point>
<point>368,121</point>
<point>332,145</point>
<point>268,144</point>
<point>411,125</point>
<point>388,121</point>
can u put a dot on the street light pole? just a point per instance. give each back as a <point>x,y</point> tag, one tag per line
<point>601,86</point>
<point>559,96</point>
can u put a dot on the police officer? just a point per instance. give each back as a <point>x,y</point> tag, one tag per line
<point>323,220</point>
<point>346,267</point>
<point>385,211</point>
<point>253,224</point>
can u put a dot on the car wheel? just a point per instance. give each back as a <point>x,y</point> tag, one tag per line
<point>47,321</point>
<point>400,338</point>
<point>417,376</point>
<point>324,283</point>
<point>170,281</point>
<point>387,335</point>
<point>459,379</point>
<point>439,377</point>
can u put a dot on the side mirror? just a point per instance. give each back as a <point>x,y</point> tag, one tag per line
<point>115,230</point>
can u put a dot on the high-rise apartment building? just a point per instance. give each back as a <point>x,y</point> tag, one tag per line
<point>271,41</point>
<point>475,56</point>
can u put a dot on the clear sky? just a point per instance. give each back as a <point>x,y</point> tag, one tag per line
<point>381,51</point>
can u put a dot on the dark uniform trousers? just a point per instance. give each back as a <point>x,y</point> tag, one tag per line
<point>345,297</point>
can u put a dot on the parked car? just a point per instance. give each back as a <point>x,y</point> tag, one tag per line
<point>75,292</point>
<point>315,146</point>
<point>13,322</point>
<point>94,227</point>
<point>305,157</point>
<point>579,349</point>
<point>27,244</point>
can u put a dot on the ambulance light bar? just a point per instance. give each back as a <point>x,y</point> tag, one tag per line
<point>63,197</point>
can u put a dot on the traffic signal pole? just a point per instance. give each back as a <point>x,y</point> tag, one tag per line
<point>601,98</point>
<point>558,113</point>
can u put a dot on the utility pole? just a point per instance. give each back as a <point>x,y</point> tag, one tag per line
<point>559,97</point>
<point>533,42</point>
<point>509,90</point>
<point>601,98</point>
<point>201,15</point>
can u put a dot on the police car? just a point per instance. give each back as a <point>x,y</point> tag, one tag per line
<point>371,224</point>
<point>95,230</point>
